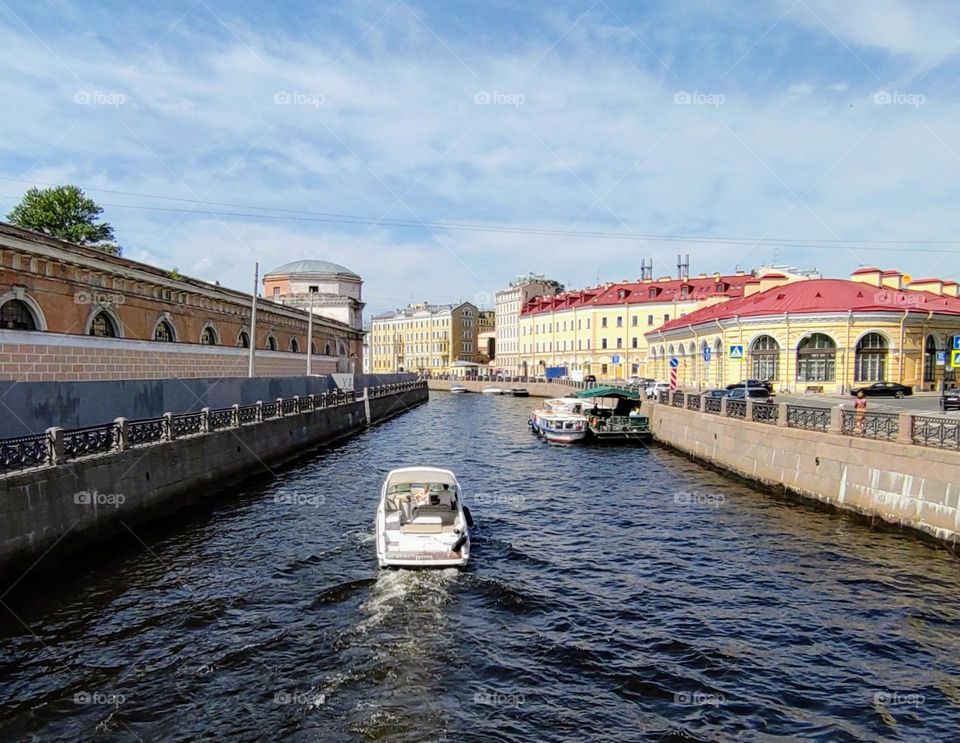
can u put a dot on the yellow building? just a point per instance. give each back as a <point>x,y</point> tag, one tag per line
<point>603,330</point>
<point>423,338</point>
<point>821,334</point>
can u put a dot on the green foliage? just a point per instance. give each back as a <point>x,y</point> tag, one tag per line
<point>174,273</point>
<point>67,213</point>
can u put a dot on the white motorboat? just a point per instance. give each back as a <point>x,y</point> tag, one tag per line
<point>421,520</point>
<point>492,389</point>
<point>458,389</point>
<point>561,420</point>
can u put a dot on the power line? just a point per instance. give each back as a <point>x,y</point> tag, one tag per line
<point>279,213</point>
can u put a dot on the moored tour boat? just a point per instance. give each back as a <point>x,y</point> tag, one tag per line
<point>421,520</point>
<point>492,389</point>
<point>519,392</point>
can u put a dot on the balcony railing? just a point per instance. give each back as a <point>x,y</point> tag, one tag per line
<point>56,445</point>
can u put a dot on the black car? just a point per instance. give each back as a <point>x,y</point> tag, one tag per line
<point>768,386</point>
<point>883,389</point>
<point>717,393</point>
<point>590,378</point>
<point>950,400</point>
<point>757,394</point>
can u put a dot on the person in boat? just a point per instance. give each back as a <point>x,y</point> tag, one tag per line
<point>635,413</point>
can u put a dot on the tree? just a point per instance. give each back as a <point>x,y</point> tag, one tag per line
<point>67,213</point>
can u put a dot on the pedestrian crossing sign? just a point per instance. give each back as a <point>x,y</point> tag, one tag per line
<point>955,359</point>
<point>736,353</point>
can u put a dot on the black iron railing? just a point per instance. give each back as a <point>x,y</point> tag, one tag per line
<point>766,412</point>
<point>870,425</point>
<point>693,402</point>
<point>58,445</point>
<point>809,417</point>
<point>942,433</point>
<point>736,408</point>
<point>678,399</point>
<point>713,405</point>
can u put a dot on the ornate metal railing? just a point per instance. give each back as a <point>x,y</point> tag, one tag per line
<point>713,405</point>
<point>809,417</point>
<point>942,433</point>
<point>870,425</point>
<point>90,440</point>
<point>24,451</point>
<point>736,408</point>
<point>678,399</point>
<point>693,402</point>
<point>146,431</point>
<point>187,424</point>
<point>765,412</point>
<point>221,419</point>
<point>663,397</point>
<point>58,445</point>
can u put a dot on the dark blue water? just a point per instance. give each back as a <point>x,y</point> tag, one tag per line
<point>616,594</point>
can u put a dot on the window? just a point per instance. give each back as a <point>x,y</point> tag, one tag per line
<point>666,318</point>
<point>619,321</point>
<point>276,292</point>
<point>603,343</point>
<point>103,326</point>
<point>209,337</point>
<point>871,358</point>
<point>294,345</point>
<point>619,342</point>
<point>243,340</point>
<point>603,322</point>
<point>271,343</point>
<point>649,319</point>
<point>765,358</point>
<point>634,321</point>
<point>930,360</point>
<point>16,315</point>
<point>313,289</point>
<point>163,332</point>
<point>816,359</point>
<point>634,344</point>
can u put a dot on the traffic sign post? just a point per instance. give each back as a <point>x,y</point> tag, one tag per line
<point>941,358</point>
<point>956,343</point>
<point>706,354</point>
<point>674,363</point>
<point>955,359</point>
<point>736,353</point>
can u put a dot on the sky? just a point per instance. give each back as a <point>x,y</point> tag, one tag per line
<point>829,127</point>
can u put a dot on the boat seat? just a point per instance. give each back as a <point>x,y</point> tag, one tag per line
<point>425,526</point>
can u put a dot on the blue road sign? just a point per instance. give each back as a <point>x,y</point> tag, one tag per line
<point>956,343</point>
<point>706,354</point>
<point>941,358</point>
<point>616,359</point>
<point>736,352</point>
<point>674,362</point>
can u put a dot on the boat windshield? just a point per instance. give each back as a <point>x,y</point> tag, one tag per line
<point>421,495</point>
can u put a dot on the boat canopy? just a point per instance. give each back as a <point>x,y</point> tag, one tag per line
<point>421,475</point>
<point>609,392</point>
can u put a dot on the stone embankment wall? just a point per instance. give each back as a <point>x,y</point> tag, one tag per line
<point>536,389</point>
<point>900,483</point>
<point>75,501</point>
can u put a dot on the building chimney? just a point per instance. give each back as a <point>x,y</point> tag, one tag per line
<point>892,280</point>
<point>867,275</point>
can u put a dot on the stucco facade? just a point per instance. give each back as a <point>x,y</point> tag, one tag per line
<point>424,338</point>
<point>509,303</point>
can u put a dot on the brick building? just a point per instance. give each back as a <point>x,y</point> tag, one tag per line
<point>73,313</point>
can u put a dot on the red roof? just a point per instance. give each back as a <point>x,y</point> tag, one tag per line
<point>891,272</point>
<point>819,295</point>
<point>865,269</point>
<point>640,292</point>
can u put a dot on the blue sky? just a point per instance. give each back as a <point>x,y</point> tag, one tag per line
<point>811,120</point>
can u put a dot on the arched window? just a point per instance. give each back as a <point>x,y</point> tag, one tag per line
<point>765,359</point>
<point>930,360</point>
<point>103,326</point>
<point>164,332</point>
<point>271,343</point>
<point>343,349</point>
<point>326,349</point>
<point>209,336</point>
<point>817,359</point>
<point>15,314</point>
<point>313,348</point>
<point>243,340</point>
<point>871,359</point>
<point>294,345</point>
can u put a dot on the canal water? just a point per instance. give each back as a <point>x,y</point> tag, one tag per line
<point>616,594</point>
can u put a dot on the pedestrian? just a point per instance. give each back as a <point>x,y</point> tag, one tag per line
<point>860,406</point>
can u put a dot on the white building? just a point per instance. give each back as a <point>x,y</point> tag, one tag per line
<point>509,301</point>
<point>332,290</point>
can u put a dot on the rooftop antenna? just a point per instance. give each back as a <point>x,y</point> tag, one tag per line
<point>646,269</point>
<point>683,266</point>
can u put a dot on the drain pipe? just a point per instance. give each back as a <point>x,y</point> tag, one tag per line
<point>846,354</point>
<point>786,350</point>
<point>721,359</point>
<point>906,311</point>
<point>696,350</point>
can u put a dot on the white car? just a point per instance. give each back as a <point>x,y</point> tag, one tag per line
<point>654,390</point>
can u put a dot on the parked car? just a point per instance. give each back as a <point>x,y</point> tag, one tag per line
<point>717,393</point>
<point>590,378</point>
<point>950,400</point>
<point>654,390</point>
<point>767,385</point>
<point>883,389</point>
<point>756,394</point>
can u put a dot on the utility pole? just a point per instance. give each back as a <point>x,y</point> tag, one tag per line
<point>253,318</point>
